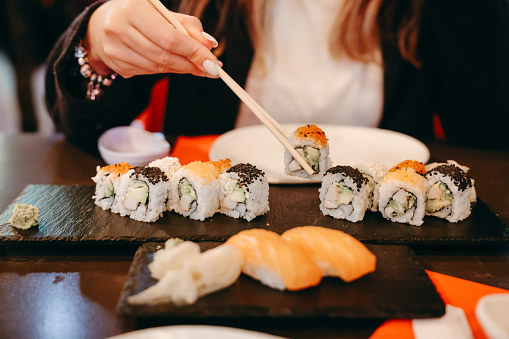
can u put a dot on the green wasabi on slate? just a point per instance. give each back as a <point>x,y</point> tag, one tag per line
<point>24,216</point>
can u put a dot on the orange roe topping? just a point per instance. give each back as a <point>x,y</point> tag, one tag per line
<point>402,175</point>
<point>222,165</point>
<point>311,132</point>
<point>206,172</point>
<point>118,169</point>
<point>412,164</point>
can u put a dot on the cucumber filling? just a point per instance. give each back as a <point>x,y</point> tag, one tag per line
<point>400,203</point>
<point>338,194</point>
<point>233,195</point>
<point>105,189</point>
<point>439,197</point>
<point>137,193</point>
<point>187,194</point>
<point>310,154</point>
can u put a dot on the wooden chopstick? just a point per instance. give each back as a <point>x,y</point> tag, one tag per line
<point>274,127</point>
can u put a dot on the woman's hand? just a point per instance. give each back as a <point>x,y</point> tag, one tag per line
<point>130,38</point>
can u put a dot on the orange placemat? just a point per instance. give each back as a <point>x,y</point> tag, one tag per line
<point>454,291</point>
<point>188,149</point>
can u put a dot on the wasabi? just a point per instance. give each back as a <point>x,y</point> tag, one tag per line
<point>24,216</point>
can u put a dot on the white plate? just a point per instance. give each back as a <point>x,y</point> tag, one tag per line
<point>348,146</point>
<point>492,311</point>
<point>194,332</point>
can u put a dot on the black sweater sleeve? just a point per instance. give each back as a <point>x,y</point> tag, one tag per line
<point>82,120</point>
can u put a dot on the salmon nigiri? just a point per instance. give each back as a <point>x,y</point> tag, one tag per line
<point>337,253</point>
<point>274,261</point>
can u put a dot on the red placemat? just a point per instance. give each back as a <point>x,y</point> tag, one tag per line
<point>188,149</point>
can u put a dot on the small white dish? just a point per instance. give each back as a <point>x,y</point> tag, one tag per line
<point>135,146</point>
<point>492,312</point>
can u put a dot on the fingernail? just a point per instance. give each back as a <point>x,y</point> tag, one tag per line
<point>220,63</point>
<point>210,67</point>
<point>210,38</point>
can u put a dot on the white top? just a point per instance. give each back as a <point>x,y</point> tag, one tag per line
<point>303,83</point>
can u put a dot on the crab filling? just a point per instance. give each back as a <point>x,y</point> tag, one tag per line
<point>439,197</point>
<point>233,195</point>
<point>105,189</point>
<point>310,154</point>
<point>137,193</point>
<point>400,203</point>
<point>338,194</point>
<point>187,194</point>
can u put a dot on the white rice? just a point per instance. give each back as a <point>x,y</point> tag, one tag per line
<point>324,162</point>
<point>473,193</point>
<point>417,185</point>
<point>156,201</point>
<point>356,209</point>
<point>256,193</point>
<point>102,179</point>
<point>207,195</point>
<point>376,172</point>
<point>461,206</point>
<point>169,165</point>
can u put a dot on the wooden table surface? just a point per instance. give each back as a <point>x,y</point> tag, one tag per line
<point>73,294</point>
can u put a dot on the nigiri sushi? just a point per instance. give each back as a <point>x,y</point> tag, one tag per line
<point>275,261</point>
<point>337,253</point>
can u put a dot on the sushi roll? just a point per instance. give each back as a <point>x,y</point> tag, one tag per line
<point>344,193</point>
<point>195,189</point>
<point>449,193</point>
<point>107,181</point>
<point>473,193</point>
<point>244,192</point>
<point>142,194</point>
<point>410,165</point>
<point>402,197</point>
<point>169,165</point>
<point>311,143</point>
<point>375,173</point>
<point>274,261</point>
<point>338,254</point>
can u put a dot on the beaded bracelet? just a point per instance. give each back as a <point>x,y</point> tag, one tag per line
<point>97,82</point>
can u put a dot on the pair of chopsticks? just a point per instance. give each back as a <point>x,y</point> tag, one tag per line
<point>274,127</point>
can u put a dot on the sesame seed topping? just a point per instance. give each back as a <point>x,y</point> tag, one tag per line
<point>153,174</point>
<point>247,173</point>
<point>351,172</point>
<point>457,175</point>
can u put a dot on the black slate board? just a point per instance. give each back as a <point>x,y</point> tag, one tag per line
<point>399,288</point>
<point>69,216</point>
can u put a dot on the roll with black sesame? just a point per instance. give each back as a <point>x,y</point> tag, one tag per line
<point>244,192</point>
<point>344,193</point>
<point>449,193</point>
<point>142,194</point>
